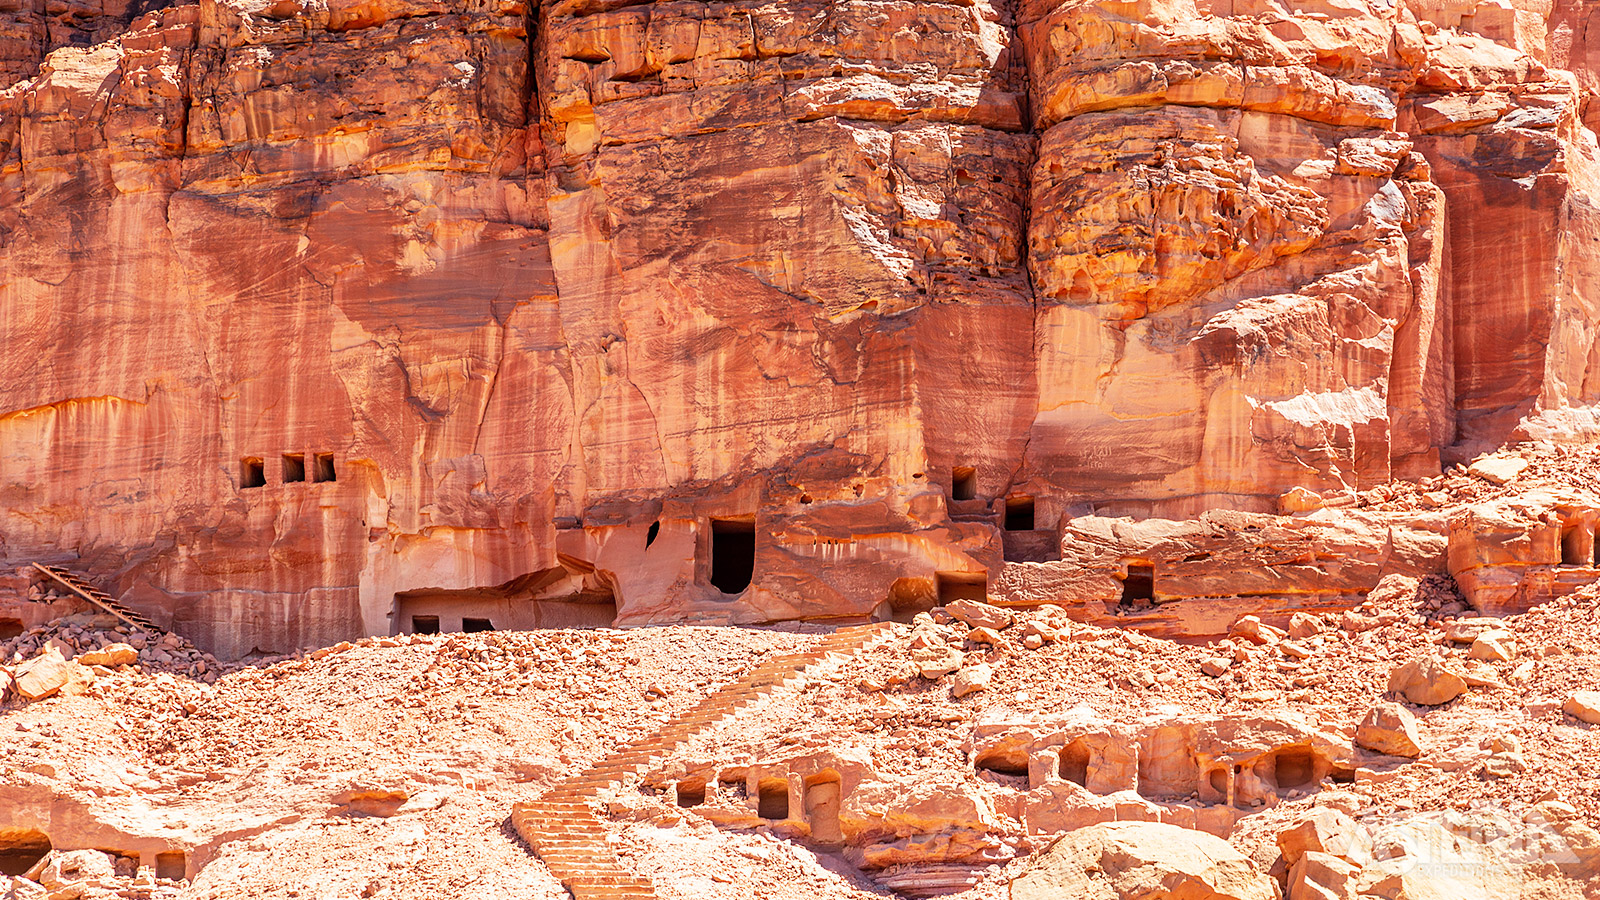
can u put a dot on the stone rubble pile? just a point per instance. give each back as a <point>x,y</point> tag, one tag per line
<point>89,875</point>
<point>69,654</point>
<point>965,637</point>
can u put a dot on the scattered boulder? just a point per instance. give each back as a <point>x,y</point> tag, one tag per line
<point>1328,831</point>
<point>1252,629</point>
<point>1355,622</point>
<point>979,615</point>
<point>1294,649</point>
<point>369,800</point>
<point>1554,822</point>
<point>1483,677</point>
<point>1394,590</point>
<point>42,675</point>
<point>1128,860</point>
<point>1323,876</point>
<point>1304,625</point>
<point>987,637</point>
<point>1044,631</point>
<point>1492,646</point>
<point>75,867</point>
<point>1498,469</point>
<point>1216,666</point>
<point>927,634</point>
<point>79,679</point>
<point>1390,729</point>
<point>1467,630</point>
<point>110,655</point>
<point>1299,500</point>
<point>1583,706</point>
<point>1427,682</point>
<point>934,663</point>
<point>972,679</point>
<point>1505,757</point>
<point>1458,866</point>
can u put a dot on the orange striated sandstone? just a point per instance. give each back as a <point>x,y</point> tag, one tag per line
<point>319,316</point>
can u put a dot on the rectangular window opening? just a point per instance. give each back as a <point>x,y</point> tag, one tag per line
<point>1573,552</point>
<point>954,586</point>
<point>324,468</point>
<point>424,624</point>
<point>1139,587</point>
<point>963,483</point>
<point>470,625</point>
<point>773,802</point>
<point>1019,513</point>
<point>1075,763</point>
<point>733,554</point>
<point>252,472</point>
<point>170,866</point>
<point>294,467</point>
<point>691,793</point>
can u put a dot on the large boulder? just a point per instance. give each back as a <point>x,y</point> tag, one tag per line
<point>1493,646</point>
<point>1583,706</point>
<point>1328,831</point>
<point>42,675</point>
<point>1498,469</point>
<point>110,655</point>
<point>75,867</point>
<point>1142,861</point>
<point>979,615</point>
<point>1390,729</point>
<point>933,663</point>
<point>1323,876</point>
<point>1427,681</point>
<point>972,679</point>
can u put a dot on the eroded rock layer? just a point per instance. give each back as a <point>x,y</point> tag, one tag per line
<point>326,317</point>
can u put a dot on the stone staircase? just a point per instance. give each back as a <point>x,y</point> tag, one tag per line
<point>97,597</point>
<point>563,828</point>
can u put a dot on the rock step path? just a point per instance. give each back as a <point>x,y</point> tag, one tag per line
<point>98,597</point>
<point>563,828</point>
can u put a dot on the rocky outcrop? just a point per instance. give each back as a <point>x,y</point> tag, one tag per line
<point>1127,860</point>
<point>365,316</point>
<point>1140,572</point>
<point>1508,556</point>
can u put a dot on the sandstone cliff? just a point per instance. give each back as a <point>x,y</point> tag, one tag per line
<point>535,307</point>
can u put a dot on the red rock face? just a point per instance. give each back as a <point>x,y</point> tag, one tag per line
<point>561,288</point>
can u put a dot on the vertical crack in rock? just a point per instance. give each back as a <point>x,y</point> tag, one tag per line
<point>533,117</point>
<point>494,382</point>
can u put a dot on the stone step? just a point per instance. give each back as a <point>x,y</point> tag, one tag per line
<point>570,838</point>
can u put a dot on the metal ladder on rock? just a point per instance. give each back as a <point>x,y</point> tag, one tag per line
<point>562,827</point>
<point>98,597</point>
